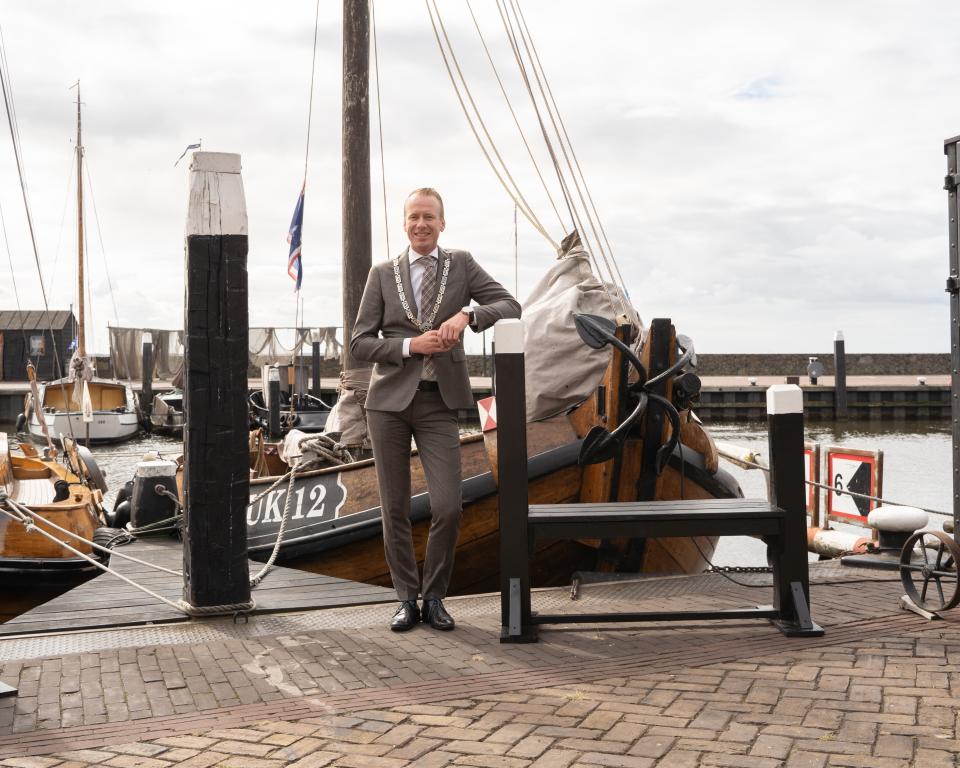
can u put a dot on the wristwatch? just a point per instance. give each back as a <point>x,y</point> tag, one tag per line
<point>468,311</point>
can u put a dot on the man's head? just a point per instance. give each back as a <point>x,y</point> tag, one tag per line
<point>423,219</point>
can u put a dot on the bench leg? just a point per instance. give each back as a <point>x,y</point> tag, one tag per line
<point>801,625</point>
<point>515,605</point>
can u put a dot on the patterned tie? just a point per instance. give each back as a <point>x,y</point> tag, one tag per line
<point>428,287</point>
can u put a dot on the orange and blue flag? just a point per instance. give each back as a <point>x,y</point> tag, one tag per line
<point>295,264</point>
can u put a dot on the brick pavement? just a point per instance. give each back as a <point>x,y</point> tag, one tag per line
<point>878,690</point>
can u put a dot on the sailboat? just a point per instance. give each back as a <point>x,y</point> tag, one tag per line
<point>603,425</point>
<point>80,405</point>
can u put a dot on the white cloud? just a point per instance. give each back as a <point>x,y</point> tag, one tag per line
<point>766,172</point>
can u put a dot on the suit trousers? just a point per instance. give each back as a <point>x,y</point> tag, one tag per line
<point>434,427</point>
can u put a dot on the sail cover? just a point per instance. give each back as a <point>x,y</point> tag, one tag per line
<point>562,371</point>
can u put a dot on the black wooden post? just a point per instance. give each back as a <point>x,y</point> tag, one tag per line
<point>840,377</point>
<point>216,466</point>
<point>951,148</point>
<point>315,373</point>
<point>273,401</point>
<point>788,491</point>
<point>146,376</point>
<point>515,621</point>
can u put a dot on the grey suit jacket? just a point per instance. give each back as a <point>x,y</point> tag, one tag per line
<point>382,325</point>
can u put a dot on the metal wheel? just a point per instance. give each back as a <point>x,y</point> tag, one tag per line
<point>928,570</point>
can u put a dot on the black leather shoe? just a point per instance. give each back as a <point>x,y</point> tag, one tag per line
<point>406,617</point>
<point>436,615</point>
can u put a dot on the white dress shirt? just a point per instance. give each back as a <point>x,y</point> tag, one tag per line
<point>416,280</point>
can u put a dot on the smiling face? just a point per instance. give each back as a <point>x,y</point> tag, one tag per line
<point>423,222</point>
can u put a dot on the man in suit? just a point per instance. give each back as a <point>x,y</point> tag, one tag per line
<point>412,314</point>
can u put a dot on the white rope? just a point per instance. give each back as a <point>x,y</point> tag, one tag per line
<point>853,494</point>
<point>516,197</point>
<point>536,56</point>
<point>255,580</point>
<point>180,605</point>
<point>27,511</point>
<point>553,120</point>
<point>516,120</point>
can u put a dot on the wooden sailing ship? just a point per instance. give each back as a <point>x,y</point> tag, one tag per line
<point>334,522</point>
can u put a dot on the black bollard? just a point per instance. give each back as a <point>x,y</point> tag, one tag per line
<point>788,491</point>
<point>840,378</point>
<point>508,368</point>
<point>315,373</point>
<point>216,466</point>
<point>272,392</point>
<point>146,376</point>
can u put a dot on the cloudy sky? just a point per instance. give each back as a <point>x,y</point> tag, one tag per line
<point>766,172</point>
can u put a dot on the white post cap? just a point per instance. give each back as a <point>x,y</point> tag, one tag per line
<point>508,336</point>
<point>784,398</point>
<point>156,469</point>
<point>838,336</point>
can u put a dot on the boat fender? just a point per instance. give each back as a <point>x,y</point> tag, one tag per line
<point>120,515</point>
<point>61,491</point>
<point>108,538</point>
<point>147,506</point>
<point>91,469</point>
<point>21,422</point>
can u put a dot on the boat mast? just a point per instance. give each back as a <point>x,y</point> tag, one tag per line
<point>357,248</point>
<point>81,345</point>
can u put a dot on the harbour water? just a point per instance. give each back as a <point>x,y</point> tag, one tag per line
<point>917,469</point>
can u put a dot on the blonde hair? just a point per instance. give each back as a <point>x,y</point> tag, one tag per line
<point>426,192</point>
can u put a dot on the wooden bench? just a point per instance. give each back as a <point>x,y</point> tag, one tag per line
<point>781,523</point>
<point>655,519</point>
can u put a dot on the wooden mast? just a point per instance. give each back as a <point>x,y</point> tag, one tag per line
<point>81,341</point>
<point>357,248</point>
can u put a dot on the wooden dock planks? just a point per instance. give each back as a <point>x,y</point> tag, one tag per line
<point>107,601</point>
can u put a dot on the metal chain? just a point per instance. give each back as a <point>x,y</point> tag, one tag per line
<point>427,324</point>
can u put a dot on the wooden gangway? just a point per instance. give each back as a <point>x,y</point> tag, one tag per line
<point>107,601</point>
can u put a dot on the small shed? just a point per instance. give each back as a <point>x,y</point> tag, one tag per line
<point>45,338</point>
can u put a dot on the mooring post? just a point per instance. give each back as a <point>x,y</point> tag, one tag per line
<point>951,148</point>
<point>788,491</point>
<point>315,372</point>
<point>146,376</point>
<point>840,377</point>
<point>515,620</point>
<point>273,401</point>
<point>216,465</point>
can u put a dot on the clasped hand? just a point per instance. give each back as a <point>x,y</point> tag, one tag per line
<point>442,339</point>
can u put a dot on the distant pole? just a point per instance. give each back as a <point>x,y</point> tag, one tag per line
<point>357,246</point>
<point>840,377</point>
<point>951,148</point>
<point>146,390</point>
<point>273,401</point>
<point>315,379</point>
<point>216,329</point>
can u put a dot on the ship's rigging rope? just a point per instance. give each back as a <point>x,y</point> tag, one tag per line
<point>6,87</point>
<point>514,194</point>
<point>516,120</point>
<point>576,194</point>
<point>566,139</point>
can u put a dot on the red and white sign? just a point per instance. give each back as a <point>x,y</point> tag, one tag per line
<point>488,413</point>
<point>854,471</point>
